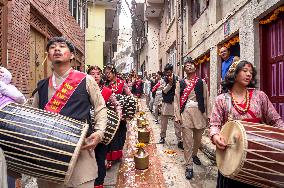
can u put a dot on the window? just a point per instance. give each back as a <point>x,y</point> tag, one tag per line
<point>172,53</point>
<point>171,10</point>
<point>146,27</point>
<point>198,7</point>
<point>76,10</point>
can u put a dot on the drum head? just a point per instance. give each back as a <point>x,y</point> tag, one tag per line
<point>230,160</point>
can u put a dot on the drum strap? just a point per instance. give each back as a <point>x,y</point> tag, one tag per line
<point>64,92</point>
<point>229,105</point>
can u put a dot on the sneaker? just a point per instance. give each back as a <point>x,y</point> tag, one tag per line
<point>196,160</point>
<point>157,121</point>
<point>162,140</point>
<point>180,145</point>
<point>189,173</point>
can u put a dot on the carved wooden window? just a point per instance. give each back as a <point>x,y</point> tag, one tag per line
<point>198,7</point>
<point>76,10</point>
<point>171,10</point>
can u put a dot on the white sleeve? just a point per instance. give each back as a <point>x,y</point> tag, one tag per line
<point>12,92</point>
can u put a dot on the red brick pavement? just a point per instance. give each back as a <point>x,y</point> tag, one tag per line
<point>129,176</point>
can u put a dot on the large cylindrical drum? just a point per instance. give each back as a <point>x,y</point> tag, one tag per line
<point>128,104</point>
<point>113,121</point>
<point>254,154</point>
<point>39,143</point>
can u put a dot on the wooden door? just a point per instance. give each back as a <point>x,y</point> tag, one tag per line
<point>37,55</point>
<point>272,65</point>
<point>203,72</point>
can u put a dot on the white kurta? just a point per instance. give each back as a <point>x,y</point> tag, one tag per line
<point>3,170</point>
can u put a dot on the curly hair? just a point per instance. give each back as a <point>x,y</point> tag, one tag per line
<point>94,68</point>
<point>230,78</point>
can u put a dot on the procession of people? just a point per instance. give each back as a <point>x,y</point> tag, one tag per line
<point>86,98</point>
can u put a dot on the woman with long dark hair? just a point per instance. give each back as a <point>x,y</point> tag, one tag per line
<point>241,101</point>
<point>118,86</point>
<point>101,149</point>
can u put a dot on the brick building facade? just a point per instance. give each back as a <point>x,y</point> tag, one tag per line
<point>3,31</point>
<point>30,24</point>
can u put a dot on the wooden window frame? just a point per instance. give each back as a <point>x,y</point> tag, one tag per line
<point>193,20</point>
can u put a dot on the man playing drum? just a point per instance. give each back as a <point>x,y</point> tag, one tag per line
<point>240,102</point>
<point>72,93</point>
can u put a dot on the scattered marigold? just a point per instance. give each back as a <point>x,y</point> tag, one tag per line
<point>140,145</point>
<point>170,152</point>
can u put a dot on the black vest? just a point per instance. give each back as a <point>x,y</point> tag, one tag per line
<point>198,92</point>
<point>77,107</point>
<point>169,97</point>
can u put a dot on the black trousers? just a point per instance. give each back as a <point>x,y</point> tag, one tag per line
<point>224,182</point>
<point>122,133</point>
<point>101,152</point>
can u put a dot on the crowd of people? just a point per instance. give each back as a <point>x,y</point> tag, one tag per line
<point>184,100</point>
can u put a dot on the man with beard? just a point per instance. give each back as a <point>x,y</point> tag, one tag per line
<point>192,114</point>
<point>84,93</point>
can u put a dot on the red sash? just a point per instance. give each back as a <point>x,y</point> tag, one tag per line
<point>106,93</point>
<point>63,94</point>
<point>137,83</point>
<point>156,86</point>
<point>188,90</point>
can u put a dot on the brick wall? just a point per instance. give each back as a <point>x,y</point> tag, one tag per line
<point>3,32</point>
<point>18,42</point>
<point>52,18</point>
<point>57,13</point>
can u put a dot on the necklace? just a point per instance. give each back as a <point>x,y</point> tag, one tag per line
<point>239,108</point>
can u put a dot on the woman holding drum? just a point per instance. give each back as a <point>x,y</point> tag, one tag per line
<point>240,102</point>
<point>119,88</point>
<point>101,149</point>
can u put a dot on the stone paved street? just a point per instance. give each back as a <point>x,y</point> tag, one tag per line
<point>173,167</point>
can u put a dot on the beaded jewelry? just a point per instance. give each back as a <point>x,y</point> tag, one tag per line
<point>240,109</point>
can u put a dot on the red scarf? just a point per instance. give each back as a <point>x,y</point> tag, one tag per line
<point>64,92</point>
<point>156,86</point>
<point>190,86</point>
<point>254,118</point>
<point>106,93</point>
